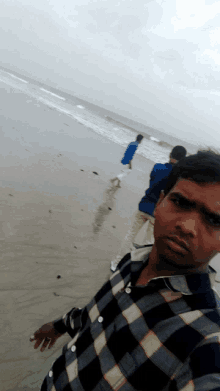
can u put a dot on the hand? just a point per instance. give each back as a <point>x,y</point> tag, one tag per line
<point>144,218</point>
<point>46,334</point>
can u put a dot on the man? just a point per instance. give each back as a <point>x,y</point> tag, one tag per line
<point>127,159</point>
<point>158,179</point>
<point>155,325</point>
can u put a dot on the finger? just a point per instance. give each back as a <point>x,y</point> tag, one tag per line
<point>46,342</point>
<point>34,336</point>
<point>52,342</point>
<point>38,342</point>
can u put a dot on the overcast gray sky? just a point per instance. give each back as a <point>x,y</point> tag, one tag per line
<point>157,61</point>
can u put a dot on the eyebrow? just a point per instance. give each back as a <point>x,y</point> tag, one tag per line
<point>194,203</point>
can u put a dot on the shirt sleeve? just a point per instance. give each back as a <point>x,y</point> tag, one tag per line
<point>202,370</point>
<point>70,322</point>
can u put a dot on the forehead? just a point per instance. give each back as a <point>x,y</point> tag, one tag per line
<point>205,193</point>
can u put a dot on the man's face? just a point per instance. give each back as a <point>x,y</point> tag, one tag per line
<point>187,224</point>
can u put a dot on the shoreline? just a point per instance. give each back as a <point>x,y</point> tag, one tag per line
<point>127,123</point>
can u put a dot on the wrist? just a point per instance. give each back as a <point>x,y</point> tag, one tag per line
<point>59,326</point>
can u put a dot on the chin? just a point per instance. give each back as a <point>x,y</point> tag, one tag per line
<point>178,261</point>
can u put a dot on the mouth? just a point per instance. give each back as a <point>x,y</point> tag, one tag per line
<point>177,246</point>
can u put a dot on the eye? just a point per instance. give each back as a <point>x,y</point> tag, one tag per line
<point>175,201</point>
<point>181,202</point>
<point>213,220</point>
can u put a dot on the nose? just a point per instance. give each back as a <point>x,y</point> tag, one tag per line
<point>189,223</point>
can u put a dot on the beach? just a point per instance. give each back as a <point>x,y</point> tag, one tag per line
<point>62,223</point>
<point>60,216</point>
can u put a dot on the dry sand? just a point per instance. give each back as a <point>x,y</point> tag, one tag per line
<point>55,220</point>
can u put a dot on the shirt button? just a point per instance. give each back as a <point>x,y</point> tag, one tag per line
<point>73,348</point>
<point>100,319</point>
<point>128,290</point>
<point>50,373</point>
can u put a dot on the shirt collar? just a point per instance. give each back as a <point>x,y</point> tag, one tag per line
<point>187,284</point>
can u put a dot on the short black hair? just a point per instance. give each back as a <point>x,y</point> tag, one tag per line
<point>178,152</point>
<point>203,167</point>
<point>139,137</point>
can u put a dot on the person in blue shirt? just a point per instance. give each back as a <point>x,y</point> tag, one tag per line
<point>158,179</point>
<point>127,159</point>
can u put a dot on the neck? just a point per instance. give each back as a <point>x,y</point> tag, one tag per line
<point>172,161</point>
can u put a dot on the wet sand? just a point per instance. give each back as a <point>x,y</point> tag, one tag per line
<point>59,217</point>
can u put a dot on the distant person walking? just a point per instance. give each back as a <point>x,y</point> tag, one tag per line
<point>158,179</point>
<point>127,159</point>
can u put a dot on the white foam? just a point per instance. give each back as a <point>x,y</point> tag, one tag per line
<point>155,139</point>
<point>51,104</point>
<point>119,135</point>
<point>148,149</point>
<point>18,78</point>
<point>51,93</point>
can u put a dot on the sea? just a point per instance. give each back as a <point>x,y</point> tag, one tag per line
<point>156,145</point>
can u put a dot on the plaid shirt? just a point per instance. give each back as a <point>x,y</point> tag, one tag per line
<point>162,336</point>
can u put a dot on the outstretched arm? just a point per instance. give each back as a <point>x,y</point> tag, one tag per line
<point>47,335</point>
<point>70,322</point>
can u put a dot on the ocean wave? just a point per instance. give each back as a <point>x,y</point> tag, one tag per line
<point>121,134</point>
<point>154,139</point>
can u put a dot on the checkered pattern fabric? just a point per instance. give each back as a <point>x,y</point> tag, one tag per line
<point>161,337</point>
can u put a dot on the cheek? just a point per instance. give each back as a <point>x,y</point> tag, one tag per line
<point>209,241</point>
<point>216,240</point>
<point>164,221</point>
<point>163,213</point>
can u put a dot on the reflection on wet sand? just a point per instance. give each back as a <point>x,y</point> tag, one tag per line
<point>104,209</point>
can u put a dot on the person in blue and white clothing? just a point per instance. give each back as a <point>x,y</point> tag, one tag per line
<point>127,159</point>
